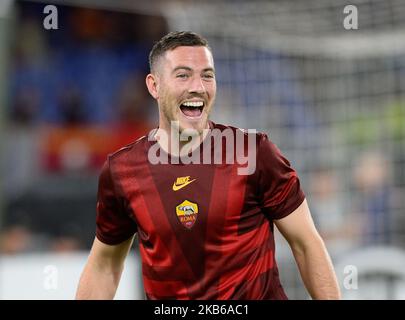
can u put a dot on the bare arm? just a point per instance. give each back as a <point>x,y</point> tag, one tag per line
<point>102,273</point>
<point>310,253</point>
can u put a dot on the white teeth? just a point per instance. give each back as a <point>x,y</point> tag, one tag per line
<point>193,104</point>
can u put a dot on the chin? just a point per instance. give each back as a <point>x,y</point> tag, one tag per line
<point>190,128</point>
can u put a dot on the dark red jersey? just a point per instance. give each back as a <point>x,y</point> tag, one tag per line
<point>205,231</point>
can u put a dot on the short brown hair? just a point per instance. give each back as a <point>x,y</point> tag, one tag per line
<point>173,40</point>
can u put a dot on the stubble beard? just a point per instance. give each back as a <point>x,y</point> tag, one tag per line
<point>173,122</point>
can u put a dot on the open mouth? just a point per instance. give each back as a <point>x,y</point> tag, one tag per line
<point>192,109</point>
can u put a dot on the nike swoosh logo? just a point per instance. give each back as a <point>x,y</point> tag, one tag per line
<point>178,187</point>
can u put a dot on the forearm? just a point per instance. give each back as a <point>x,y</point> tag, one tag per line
<point>103,270</point>
<point>98,283</point>
<point>317,270</point>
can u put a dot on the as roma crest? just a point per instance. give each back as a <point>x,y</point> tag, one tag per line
<point>187,213</point>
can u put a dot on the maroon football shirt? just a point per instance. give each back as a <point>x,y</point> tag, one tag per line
<point>205,232</point>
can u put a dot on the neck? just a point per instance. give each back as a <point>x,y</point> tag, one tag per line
<point>179,144</point>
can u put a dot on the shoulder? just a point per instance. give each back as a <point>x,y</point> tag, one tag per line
<point>254,141</point>
<point>121,161</point>
<point>259,136</point>
<point>125,151</point>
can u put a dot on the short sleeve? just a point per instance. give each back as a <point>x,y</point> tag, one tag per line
<point>279,184</point>
<point>113,223</point>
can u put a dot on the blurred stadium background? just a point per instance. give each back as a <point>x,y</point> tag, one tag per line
<point>332,99</point>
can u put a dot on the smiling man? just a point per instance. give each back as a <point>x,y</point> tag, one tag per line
<point>182,80</point>
<point>205,230</point>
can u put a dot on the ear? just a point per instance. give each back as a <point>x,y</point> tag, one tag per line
<point>152,84</point>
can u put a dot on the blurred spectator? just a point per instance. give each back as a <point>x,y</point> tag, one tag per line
<point>90,25</point>
<point>65,244</point>
<point>372,196</point>
<point>329,211</point>
<point>71,106</point>
<point>26,105</point>
<point>18,238</point>
<point>133,108</point>
<point>30,41</point>
<point>149,29</point>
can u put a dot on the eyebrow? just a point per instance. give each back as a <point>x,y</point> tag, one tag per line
<point>189,69</point>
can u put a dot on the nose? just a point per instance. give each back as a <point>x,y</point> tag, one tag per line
<point>197,86</point>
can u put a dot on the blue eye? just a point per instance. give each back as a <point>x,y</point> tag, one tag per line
<point>182,76</point>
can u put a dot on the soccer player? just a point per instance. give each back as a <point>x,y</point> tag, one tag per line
<point>205,230</point>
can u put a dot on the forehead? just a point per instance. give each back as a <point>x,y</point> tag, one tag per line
<point>194,57</point>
